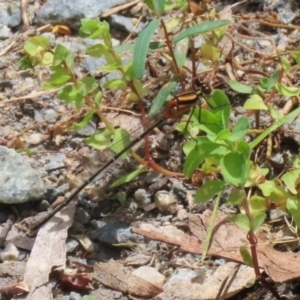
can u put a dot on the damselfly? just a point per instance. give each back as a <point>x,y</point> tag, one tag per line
<point>178,106</point>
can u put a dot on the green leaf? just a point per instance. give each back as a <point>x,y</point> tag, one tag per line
<point>237,197</point>
<point>285,64</point>
<point>129,72</point>
<point>129,177</point>
<point>220,103</point>
<point>211,228</point>
<point>210,52</point>
<point>293,206</point>
<point>130,47</point>
<point>287,90</point>
<point>158,6</point>
<point>240,129</point>
<point>241,221</point>
<point>60,54</point>
<point>77,94</point>
<point>200,28</point>
<point>180,51</point>
<point>116,84</point>
<point>73,93</point>
<point>110,68</point>
<point>296,56</point>
<point>272,80</point>
<point>246,256</point>
<point>87,118</point>
<point>141,48</point>
<point>100,140</point>
<point>97,50</point>
<point>121,196</point>
<point>90,83</point>
<point>257,205</point>
<point>267,187</point>
<point>274,113</point>
<point>93,29</point>
<point>26,63</point>
<point>199,153</point>
<point>37,44</point>
<point>234,168</point>
<point>120,141</point>
<point>290,179</point>
<point>244,148</point>
<point>279,194</point>
<point>98,99</point>
<point>222,135</point>
<point>57,79</point>
<point>209,189</point>
<point>255,102</point>
<point>257,221</point>
<point>47,59</point>
<point>240,87</point>
<point>159,100</point>
<point>209,122</point>
<point>190,145</point>
<point>140,89</point>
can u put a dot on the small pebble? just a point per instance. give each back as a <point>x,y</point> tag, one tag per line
<point>166,202</point>
<point>150,275</point>
<point>182,214</point>
<point>71,245</point>
<point>10,252</point>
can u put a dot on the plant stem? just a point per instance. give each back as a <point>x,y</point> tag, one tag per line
<point>253,248</point>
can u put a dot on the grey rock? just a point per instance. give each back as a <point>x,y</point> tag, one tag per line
<point>6,84</point>
<point>82,216</point>
<point>56,162</point>
<point>77,228</point>
<point>75,296</point>
<point>178,188</point>
<point>69,13</point>
<point>114,232</point>
<point>19,182</point>
<point>22,255</point>
<point>43,206</point>
<point>91,64</point>
<point>50,115</point>
<point>5,32</point>
<point>10,13</point>
<point>52,193</point>
<point>142,197</point>
<point>37,116</point>
<point>5,130</point>
<point>64,188</point>
<point>276,214</point>
<point>183,275</point>
<point>71,245</point>
<point>124,23</point>
<point>88,130</point>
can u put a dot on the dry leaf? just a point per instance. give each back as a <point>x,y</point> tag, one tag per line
<point>117,277</point>
<point>79,282</point>
<point>61,29</point>
<point>36,138</point>
<point>15,289</point>
<point>48,253</point>
<point>226,242</point>
<point>85,242</point>
<point>208,290</point>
